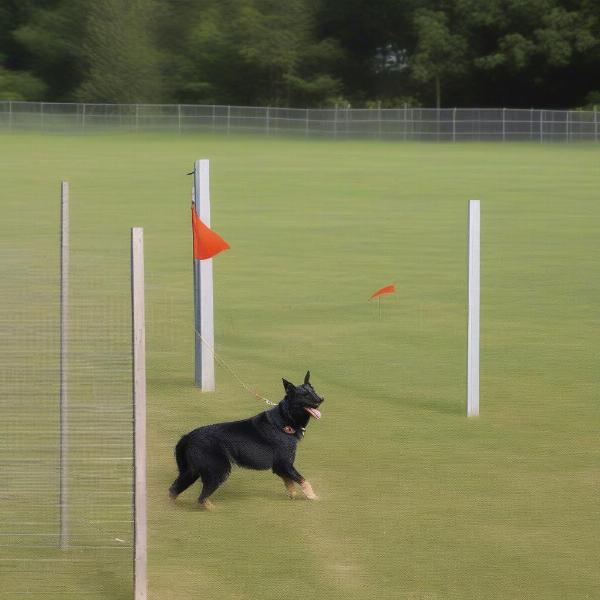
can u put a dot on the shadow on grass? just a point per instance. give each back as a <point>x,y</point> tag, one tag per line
<point>235,497</point>
<point>439,407</point>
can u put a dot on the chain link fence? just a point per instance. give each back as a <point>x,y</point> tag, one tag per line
<point>423,124</point>
<point>66,494</point>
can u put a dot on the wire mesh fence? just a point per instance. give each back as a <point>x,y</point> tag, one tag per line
<point>66,493</point>
<point>447,124</point>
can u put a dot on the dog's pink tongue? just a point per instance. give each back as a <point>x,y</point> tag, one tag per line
<point>313,411</point>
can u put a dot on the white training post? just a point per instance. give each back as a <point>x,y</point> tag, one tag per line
<point>473,311</point>
<point>140,546</point>
<point>203,289</point>
<point>64,353</point>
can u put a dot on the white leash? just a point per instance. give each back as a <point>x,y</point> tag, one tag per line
<point>238,379</point>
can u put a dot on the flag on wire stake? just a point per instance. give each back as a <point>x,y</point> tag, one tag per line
<point>388,289</point>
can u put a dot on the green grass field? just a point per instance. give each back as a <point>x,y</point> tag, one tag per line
<point>417,501</point>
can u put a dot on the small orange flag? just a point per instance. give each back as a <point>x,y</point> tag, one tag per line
<point>388,289</point>
<point>207,243</point>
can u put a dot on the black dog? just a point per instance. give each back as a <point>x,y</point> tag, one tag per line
<point>265,441</point>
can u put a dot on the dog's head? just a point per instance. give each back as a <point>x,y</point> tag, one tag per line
<point>302,402</point>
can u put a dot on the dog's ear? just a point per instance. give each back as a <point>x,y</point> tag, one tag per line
<point>289,387</point>
<point>306,377</point>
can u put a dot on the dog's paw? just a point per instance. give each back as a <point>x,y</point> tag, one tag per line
<point>206,505</point>
<point>308,491</point>
<point>172,495</point>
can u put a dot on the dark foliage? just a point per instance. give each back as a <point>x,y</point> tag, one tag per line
<point>517,53</point>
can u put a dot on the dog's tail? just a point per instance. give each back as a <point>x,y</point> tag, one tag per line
<point>180,454</point>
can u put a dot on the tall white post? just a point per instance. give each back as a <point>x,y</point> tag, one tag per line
<point>139,413</point>
<point>335,121</point>
<point>454,124</point>
<point>473,311</point>
<point>203,289</point>
<point>64,353</point>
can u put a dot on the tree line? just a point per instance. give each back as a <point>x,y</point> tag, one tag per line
<point>512,53</point>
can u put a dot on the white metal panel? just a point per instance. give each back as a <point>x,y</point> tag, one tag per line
<point>473,310</point>
<point>205,336</point>
<point>139,400</point>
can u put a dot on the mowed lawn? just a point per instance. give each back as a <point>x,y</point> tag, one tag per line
<point>416,500</point>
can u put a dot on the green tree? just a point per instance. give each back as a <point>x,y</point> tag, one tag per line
<point>439,54</point>
<point>257,52</point>
<point>20,85</point>
<point>122,62</point>
<point>48,43</point>
<point>544,52</point>
<point>370,33</point>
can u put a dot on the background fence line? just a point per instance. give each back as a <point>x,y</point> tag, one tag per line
<point>444,124</point>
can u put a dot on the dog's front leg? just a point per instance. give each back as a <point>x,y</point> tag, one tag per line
<point>308,491</point>
<point>288,472</point>
<point>289,486</point>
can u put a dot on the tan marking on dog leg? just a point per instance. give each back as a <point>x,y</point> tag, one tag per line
<point>207,505</point>
<point>172,496</point>
<point>289,486</point>
<point>308,491</point>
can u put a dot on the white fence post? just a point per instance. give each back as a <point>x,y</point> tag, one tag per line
<point>335,121</point>
<point>473,310</point>
<point>204,338</point>
<point>64,355</point>
<point>454,124</point>
<point>504,124</point>
<point>139,413</point>
<point>531,123</point>
<point>268,124</point>
<point>179,117</point>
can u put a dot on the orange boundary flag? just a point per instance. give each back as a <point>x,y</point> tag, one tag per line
<point>207,243</point>
<point>388,289</point>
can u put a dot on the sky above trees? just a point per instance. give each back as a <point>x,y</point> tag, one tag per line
<point>512,53</point>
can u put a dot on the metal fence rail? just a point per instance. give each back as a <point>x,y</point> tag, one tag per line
<point>447,124</point>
